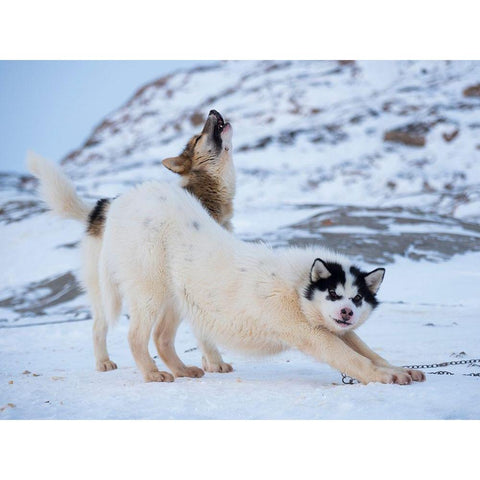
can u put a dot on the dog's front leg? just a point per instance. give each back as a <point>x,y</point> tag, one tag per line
<point>327,347</point>
<point>164,337</point>
<point>355,342</point>
<point>212,360</point>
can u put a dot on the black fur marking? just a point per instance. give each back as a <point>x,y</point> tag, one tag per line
<point>363,290</point>
<point>337,277</point>
<point>357,303</point>
<point>196,141</point>
<point>335,298</point>
<point>97,217</point>
<point>196,225</point>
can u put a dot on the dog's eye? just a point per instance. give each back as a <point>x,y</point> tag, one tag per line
<point>196,141</point>
<point>357,298</point>
<point>333,294</point>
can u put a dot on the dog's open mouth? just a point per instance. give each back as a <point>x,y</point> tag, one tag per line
<point>220,122</point>
<point>343,323</point>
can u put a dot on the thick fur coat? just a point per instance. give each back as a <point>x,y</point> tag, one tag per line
<point>167,258</point>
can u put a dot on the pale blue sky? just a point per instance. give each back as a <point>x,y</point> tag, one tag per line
<point>52,106</point>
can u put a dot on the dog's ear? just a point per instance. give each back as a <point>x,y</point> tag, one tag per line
<point>374,279</point>
<point>319,270</point>
<point>180,165</point>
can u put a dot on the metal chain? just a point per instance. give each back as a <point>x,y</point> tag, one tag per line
<point>444,364</point>
<point>347,380</point>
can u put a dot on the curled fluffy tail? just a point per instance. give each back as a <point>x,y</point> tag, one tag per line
<point>57,190</point>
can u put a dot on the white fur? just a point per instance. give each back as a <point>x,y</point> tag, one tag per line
<point>56,189</point>
<point>168,258</point>
<point>161,248</point>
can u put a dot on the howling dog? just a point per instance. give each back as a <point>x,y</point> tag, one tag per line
<point>207,172</point>
<point>206,168</point>
<point>165,256</point>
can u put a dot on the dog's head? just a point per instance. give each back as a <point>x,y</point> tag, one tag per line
<point>208,151</point>
<point>340,297</point>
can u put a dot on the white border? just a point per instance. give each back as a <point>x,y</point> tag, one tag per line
<point>238,449</point>
<point>246,29</point>
<point>238,30</point>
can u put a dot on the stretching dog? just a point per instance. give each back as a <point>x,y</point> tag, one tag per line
<point>167,258</point>
<point>207,171</point>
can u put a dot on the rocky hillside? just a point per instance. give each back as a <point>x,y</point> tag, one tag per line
<point>335,132</point>
<point>376,159</point>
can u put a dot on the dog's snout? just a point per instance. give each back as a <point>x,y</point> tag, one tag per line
<point>217,115</point>
<point>346,313</point>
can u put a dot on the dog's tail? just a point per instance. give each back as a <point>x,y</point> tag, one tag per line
<point>57,190</point>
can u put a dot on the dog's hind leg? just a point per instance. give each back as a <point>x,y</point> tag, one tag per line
<point>164,337</point>
<point>100,330</point>
<point>212,360</point>
<point>91,253</point>
<point>142,317</point>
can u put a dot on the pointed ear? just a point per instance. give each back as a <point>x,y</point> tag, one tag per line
<point>319,270</point>
<point>374,279</point>
<point>180,165</point>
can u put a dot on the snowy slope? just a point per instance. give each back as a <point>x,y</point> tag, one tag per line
<point>313,166</point>
<point>312,129</point>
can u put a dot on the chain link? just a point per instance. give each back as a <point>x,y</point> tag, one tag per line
<point>444,364</point>
<point>475,362</point>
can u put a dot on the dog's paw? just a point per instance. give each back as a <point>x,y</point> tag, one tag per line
<point>417,375</point>
<point>216,367</point>
<point>106,365</point>
<point>158,377</point>
<point>390,375</point>
<point>192,372</point>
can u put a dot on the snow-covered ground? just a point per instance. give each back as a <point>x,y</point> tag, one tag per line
<point>312,168</point>
<point>429,315</point>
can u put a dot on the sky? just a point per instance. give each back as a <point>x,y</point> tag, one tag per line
<point>51,107</point>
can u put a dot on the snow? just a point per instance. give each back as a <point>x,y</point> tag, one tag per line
<point>429,311</point>
<point>426,317</point>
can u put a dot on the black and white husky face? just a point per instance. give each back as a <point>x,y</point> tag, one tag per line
<point>340,297</point>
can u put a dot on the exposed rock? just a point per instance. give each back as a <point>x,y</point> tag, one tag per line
<point>413,134</point>
<point>448,137</point>
<point>197,119</point>
<point>382,243</point>
<point>472,91</point>
<point>262,143</point>
<point>38,296</point>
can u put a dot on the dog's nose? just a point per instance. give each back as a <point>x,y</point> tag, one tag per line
<point>346,313</point>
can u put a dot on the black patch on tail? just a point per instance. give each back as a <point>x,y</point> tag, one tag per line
<point>363,290</point>
<point>337,277</point>
<point>97,217</point>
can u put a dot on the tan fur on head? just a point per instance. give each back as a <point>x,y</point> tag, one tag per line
<point>180,164</point>
<point>206,169</point>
